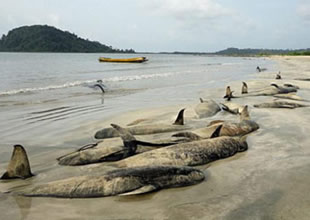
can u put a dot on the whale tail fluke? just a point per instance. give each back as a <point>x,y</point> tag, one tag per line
<point>227,109</point>
<point>19,166</point>
<point>100,87</point>
<point>180,118</point>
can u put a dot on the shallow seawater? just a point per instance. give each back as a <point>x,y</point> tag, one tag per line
<point>47,104</point>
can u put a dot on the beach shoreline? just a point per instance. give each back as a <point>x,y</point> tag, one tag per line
<point>269,181</point>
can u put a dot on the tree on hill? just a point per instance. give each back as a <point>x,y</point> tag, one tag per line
<point>43,38</point>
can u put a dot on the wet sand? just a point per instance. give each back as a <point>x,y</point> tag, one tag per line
<point>269,181</point>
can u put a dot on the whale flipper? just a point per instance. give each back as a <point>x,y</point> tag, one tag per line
<point>142,190</point>
<point>19,166</point>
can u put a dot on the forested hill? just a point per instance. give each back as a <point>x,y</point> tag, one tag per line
<point>259,52</point>
<point>43,38</point>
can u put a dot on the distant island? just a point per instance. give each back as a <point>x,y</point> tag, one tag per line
<point>261,52</point>
<point>232,51</point>
<point>44,38</point>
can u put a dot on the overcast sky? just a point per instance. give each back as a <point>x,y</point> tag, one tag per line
<point>170,25</point>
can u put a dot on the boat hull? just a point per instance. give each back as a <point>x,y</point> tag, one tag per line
<point>123,60</point>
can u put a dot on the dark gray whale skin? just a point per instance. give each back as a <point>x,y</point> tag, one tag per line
<point>128,181</point>
<point>188,154</point>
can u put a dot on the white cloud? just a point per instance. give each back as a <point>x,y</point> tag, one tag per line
<point>303,10</point>
<point>190,9</point>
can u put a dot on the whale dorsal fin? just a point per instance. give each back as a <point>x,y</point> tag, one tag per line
<point>228,92</point>
<point>245,114</point>
<point>19,166</point>
<point>201,100</point>
<point>180,118</point>
<point>244,88</point>
<point>217,131</point>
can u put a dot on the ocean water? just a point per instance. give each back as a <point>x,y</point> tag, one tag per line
<point>48,94</point>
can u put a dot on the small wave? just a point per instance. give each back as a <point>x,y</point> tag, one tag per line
<point>85,83</point>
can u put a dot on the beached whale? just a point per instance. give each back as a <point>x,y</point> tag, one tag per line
<point>128,181</point>
<point>104,151</point>
<point>189,154</point>
<point>273,89</point>
<point>19,166</point>
<point>280,104</point>
<point>291,96</point>
<point>207,108</point>
<point>245,126</point>
<point>178,125</point>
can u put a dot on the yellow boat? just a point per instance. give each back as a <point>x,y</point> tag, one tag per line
<point>123,60</point>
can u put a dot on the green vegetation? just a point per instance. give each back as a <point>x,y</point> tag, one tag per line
<point>300,53</point>
<point>249,52</point>
<point>262,52</point>
<point>43,38</point>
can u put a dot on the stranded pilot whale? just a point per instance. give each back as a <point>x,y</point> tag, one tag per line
<point>280,104</point>
<point>104,151</point>
<point>190,153</point>
<point>178,125</point>
<point>273,89</point>
<point>245,126</point>
<point>19,166</point>
<point>127,181</point>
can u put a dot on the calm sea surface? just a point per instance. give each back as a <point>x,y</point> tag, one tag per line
<point>45,95</point>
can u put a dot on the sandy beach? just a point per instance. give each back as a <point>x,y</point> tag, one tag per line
<point>269,181</point>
